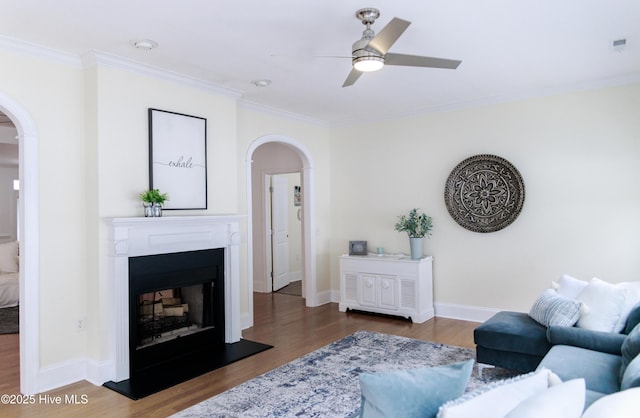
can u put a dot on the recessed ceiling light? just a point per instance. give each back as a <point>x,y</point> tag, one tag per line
<point>147,44</point>
<point>261,83</point>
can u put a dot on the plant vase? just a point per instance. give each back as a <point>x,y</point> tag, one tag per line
<point>157,210</point>
<point>416,248</point>
<point>148,209</point>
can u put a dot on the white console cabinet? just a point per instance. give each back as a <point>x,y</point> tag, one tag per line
<point>387,284</point>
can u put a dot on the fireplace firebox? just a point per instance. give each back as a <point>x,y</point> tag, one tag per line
<point>176,307</point>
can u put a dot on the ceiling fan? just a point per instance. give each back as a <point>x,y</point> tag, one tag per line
<point>370,52</point>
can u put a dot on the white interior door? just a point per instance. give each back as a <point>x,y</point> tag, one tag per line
<point>280,231</point>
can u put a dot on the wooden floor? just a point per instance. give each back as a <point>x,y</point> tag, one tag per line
<point>280,320</point>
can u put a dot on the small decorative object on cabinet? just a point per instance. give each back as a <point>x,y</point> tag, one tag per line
<point>417,227</point>
<point>357,247</point>
<point>388,284</point>
<point>152,200</point>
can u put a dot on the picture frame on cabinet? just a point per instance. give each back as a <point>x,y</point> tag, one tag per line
<point>357,247</point>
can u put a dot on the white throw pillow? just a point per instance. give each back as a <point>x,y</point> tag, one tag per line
<point>569,287</point>
<point>562,401</point>
<point>631,299</point>
<point>624,404</point>
<point>9,257</point>
<point>495,400</point>
<point>603,302</point>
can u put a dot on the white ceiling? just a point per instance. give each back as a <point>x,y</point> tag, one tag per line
<point>509,49</point>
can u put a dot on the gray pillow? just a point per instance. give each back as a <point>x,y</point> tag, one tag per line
<point>552,309</point>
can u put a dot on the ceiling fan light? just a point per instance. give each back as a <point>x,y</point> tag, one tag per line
<point>368,63</point>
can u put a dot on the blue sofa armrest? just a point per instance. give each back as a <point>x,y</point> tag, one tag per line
<point>605,342</point>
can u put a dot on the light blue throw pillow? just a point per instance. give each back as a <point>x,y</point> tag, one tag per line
<point>552,309</point>
<point>414,392</point>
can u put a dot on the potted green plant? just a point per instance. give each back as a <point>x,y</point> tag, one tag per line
<point>152,201</point>
<point>417,226</point>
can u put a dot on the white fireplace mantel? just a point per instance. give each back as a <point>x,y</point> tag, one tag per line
<point>132,237</point>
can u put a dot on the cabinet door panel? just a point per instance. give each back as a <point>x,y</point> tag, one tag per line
<point>368,288</point>
<point>388,292</point>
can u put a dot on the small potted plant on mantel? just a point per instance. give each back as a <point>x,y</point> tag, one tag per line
<point>417,226</point>
<point>152,200</point>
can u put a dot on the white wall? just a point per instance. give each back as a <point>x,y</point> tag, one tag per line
<point>579,155</point>
<point>52,94</point>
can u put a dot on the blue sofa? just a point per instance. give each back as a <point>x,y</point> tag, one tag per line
<point>605,372</point>
<point>513,340</point>
<point>609,362</point>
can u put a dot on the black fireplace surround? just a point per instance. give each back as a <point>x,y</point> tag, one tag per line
<point>157,366</point>
<point>154,273</point>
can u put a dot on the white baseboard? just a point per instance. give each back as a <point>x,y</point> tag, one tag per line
<point>99,372</point>
<point>464,312</point>
<point>449,310</point>
<point>61,374</point>
<point>335,296</point>
<point>245,320</point>
<point>294,276</point>
<point>323,297</point>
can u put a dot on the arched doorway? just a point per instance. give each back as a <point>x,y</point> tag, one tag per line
<point>28,227</point>
<point>308,215</point>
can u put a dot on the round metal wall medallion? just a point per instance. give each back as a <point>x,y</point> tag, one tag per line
<point>484,193</point>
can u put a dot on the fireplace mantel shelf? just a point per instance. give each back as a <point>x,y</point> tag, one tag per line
<point>174,219</point>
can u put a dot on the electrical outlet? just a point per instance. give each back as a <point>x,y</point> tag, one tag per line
<point>80,324</point>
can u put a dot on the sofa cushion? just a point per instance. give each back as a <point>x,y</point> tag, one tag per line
<point>607,342</point>
<point>552,309</point>
<point>513,332</point>
<point>630,350</point>
<point>603,305</point>
<point>631,376</point>
<point>412,393</point>
<point>591,397</point>
<point>633,319</point>
<point>599,370</point>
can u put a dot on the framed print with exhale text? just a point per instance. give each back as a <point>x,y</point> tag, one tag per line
<point>178,158</point>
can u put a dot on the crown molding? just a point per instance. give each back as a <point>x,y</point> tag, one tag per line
<point>247,104</point>
<point>500,99</point>
<point>94,57</point>
<point>38,51</point>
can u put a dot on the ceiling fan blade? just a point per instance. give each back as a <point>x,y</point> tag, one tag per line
<point>419,61</point>
<point>389,35</point>
<point>352,77</point>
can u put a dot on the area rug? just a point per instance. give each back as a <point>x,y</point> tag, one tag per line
<point>324,383</point>
<point>9,320</point>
